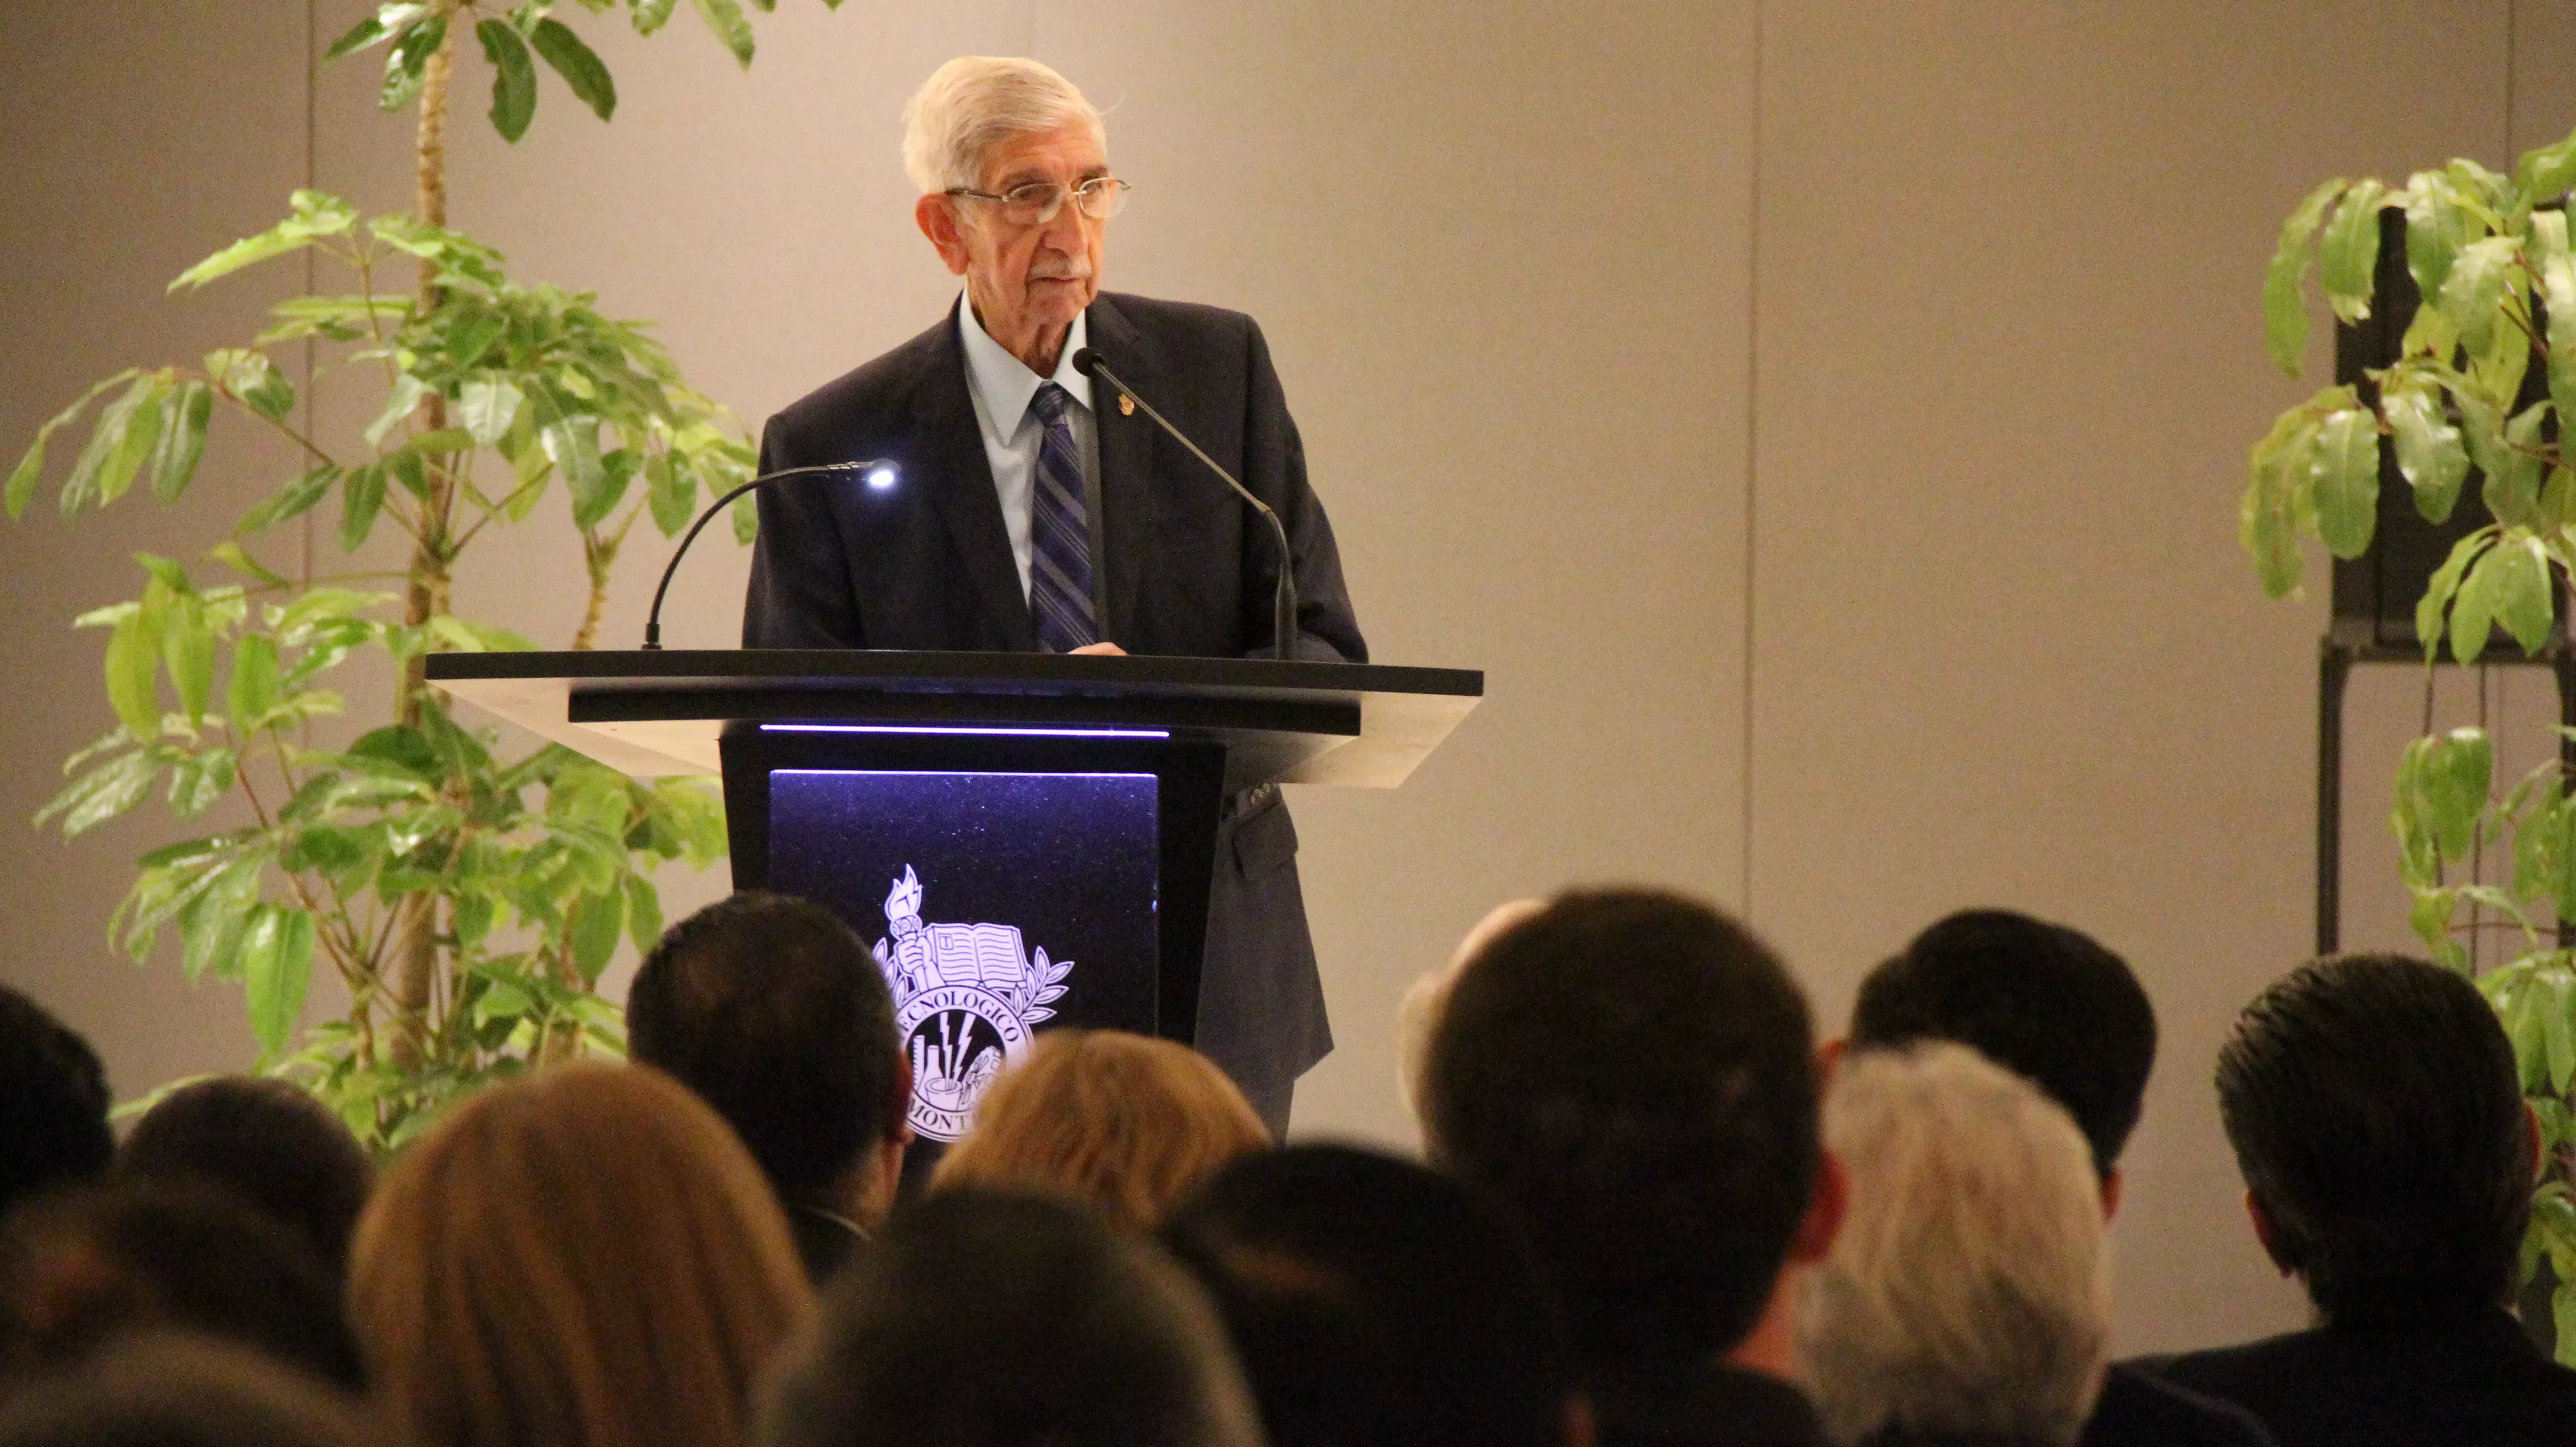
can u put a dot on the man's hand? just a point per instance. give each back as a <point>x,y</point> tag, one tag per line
<point>1102,648</point>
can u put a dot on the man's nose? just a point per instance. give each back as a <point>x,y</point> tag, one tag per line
<point>1064,233</point>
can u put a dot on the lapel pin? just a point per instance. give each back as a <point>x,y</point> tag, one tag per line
<point>1126,405</point>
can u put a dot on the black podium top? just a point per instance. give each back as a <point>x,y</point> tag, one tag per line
<point>656,713</point>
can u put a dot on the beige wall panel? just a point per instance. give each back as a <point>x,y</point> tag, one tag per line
<point>122,161</point>
<point>2007,650</point>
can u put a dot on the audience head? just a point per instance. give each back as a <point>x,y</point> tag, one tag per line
<point>171,1390</point>
<point>1373,1301</point>
<point>2378,1118</point>
<point>990,1319</point>
<point>269,1143</point>
<point>2039,999</point>
<point>1635,1074</point>
<point>53,1094</point>
<point>586,1257</point>
<point>775,1013</point>
<point>1126,1122</point>
<point>84,1269</point>
<point>1418,1013</point>
<point>1967,1296</point>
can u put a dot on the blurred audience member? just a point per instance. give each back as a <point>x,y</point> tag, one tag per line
<point>267,1142</point>
<point>54,1101</point>
<point>84,1269</point>
<point>1635,1074</point>
<point>1126,1122</point>
<point>1419,1011</point>
<point>2388,1156</point>
<point>988,1319</point>
<point>2054,1005</point>
<point>583,1258</point>
<point>1967,1299</point>
<point>172,1390</point>
<point>1374,1302</point>
<point>775,1013</point>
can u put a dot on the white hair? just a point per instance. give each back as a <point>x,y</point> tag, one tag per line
<point>1968,1291</point>
<point>1418,1014</point>
<point>976,103</point>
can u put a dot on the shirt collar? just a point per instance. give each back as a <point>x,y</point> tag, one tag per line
<point>1004,383</point>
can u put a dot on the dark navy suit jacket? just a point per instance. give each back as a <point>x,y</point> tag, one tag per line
<point>1189,570</point>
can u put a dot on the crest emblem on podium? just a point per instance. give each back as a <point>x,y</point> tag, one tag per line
<point>966,997</point>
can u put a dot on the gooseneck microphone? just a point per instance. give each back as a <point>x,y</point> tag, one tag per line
<point>881,472</point>
<point>1283,610</point>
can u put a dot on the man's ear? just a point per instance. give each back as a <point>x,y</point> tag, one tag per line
<point>899,1109</point>
<point>937,218</point>
<point>1825,1210</point>
<point>2263,1231</point>
<point>2111,1185</point>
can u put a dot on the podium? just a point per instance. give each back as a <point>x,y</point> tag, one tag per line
<point>1026,839</point>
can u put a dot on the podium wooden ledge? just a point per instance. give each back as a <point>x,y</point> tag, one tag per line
<point>651,714</point>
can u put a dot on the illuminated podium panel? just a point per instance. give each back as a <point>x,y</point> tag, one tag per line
<point>1025,839</point>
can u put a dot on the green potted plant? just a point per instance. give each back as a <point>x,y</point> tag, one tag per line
<point>466,900</point>
<point>2491,255</point>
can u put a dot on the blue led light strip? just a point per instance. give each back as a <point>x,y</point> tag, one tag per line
<point>772,728</point>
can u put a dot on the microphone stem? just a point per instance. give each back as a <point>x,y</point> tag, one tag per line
<point>653,620</point>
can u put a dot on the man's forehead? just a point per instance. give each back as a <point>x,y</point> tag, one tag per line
<point>1050,156</point>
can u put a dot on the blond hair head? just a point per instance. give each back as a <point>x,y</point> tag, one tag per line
<point>584,1258</point>
<point>1127,1122</point>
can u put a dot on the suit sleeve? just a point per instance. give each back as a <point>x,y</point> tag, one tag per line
<point>801,595</point>
<point>1327,625</point>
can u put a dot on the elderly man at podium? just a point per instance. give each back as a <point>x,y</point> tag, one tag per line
<point>1032,512</point>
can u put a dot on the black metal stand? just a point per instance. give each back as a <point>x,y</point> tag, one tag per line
<point>2335,661</point>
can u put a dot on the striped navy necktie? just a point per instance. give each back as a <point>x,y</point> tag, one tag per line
<point>1060,532</point>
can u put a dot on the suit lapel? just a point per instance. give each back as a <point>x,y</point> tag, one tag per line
<point>961,486</point>
<point>1127,443</point>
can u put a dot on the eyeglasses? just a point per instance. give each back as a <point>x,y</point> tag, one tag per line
<point>1037,203</point>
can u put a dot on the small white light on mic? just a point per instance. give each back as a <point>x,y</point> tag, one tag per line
<point>881,478</point>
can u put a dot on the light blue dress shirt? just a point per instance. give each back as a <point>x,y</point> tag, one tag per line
<point>1002,387</point>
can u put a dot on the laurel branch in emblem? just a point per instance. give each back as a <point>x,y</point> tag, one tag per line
<point>966,998</point>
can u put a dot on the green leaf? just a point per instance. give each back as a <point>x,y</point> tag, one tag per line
<point>106,442</point>
<point>580,69</point>
<point>277,966</point>
<point>184,415</point>
<point>211,924</point>
<point>400,747</point>
<point>2521,590</point>
<point>652,15</point>
<point>574,445</point>
<point>22,481</point>
<point>598,921</point>
<point>410,57</point>
<point>2429,452</point>
<point>2472,296</point>
<point>361,496</point>
<point>2558,1009</point>
<point>2346,469</point>
<point>643,913</point>
<point>2544,174</point>
<point>2458,770</point>
<point>102,793</point>
<point>2512,486</point>
<point>2437,226</point>
<point>2473,608</point>
<point>725,18</point>
<point>375,29</point>
<point>141,437</point>
<point>514,78</point>
<point>2431,915</point>
<point>746,530</point>
<point>404,399</point>
<point>252,692</point>
<point>232,555</point>
<point>133,664</point>
<point>2348,255</point>
<point>293,500</point>
<point>2285,303</point>
<point>487,405</point>
<point>188,651</point>
<point>672,493</point>
<point>204,778</point>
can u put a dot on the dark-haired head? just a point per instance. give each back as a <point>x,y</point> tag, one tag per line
<point>775,1013</point>
<point>53,1094</point>
<point>1374,1301</point>
<point>2378,1118</point>
<point>175,1390</point>
<point>2042,1000</point>
<point>267,1142</point>
<point>1634,1074</point>
<point>83,1270</point>
<point>986,1319</point>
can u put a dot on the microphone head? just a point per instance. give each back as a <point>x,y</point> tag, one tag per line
<point>1085,360</point>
